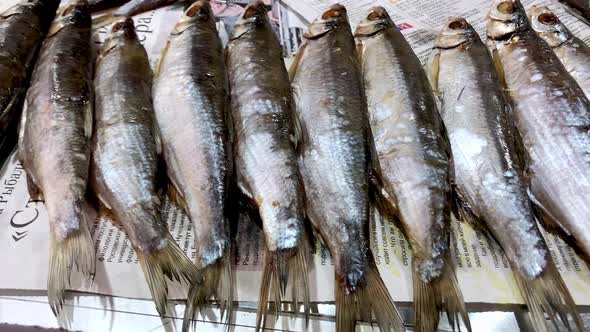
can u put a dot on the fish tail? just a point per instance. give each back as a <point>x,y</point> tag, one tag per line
<point>547,294</point>
<point>436,296</point>
<point>281,270</point>
<point>76,249</point>
<point>168,262</point>
<point>217,283</point>
<point>370,299</point>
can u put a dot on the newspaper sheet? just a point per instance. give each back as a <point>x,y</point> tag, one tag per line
<point>481,263</point>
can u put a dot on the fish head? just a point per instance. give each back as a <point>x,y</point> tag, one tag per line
<point>377,20</point>
<point>548,26</point>
<point>255,15</point>
<point>122,31</point>
<point>334,17</point>
<point>77,14</point>
<point>505,18</point>
<point>199,12</point>
<point>456,31</point>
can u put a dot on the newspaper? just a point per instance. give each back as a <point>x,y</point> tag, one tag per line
<point>480,261</point>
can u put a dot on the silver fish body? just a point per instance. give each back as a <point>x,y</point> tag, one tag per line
<point>582,6</point>
<point>266,136</point>
<point>124,150</point>
<point>413,155</point>
<point>573,53</point>
<point>552,115</point>
<point>335,164</point>
<point>22,29</point>
<point>410,142</point>
<point>265,131</point>
<point>191,101</point>
<point>125,159</point>
<point>488,171</point>
<point>54,143</point>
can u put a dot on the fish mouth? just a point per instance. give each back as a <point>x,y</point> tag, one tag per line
<point>505,18</point>
<point>333,17</point>
<point>254,11</point>
<point>200,10</point>
<point>547,18</point>
<point>455,32</point>
<point>505,7</point>
<point>123,25</point>
<point>334,11</point>
<point>254,15</point>
<point>457,24</point>
<point>376,20</point>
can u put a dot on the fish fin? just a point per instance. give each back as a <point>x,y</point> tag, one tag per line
<point>14,102</point>
<point>437,296</point>
<point>517,151</point>
<point>370,299</point>
<point>545,217</point>
<point>168,262</point>
<point>217,283</point>
<point>105,212</point>
<point>297,137</point>
<point>548,295</point>
<point>383,198</point>
<point>34,191</point>
<point>88,120</point>
<point>283,269</point>
<point>21,135</point>
<point>176,197</point>
<point>296,61</point>
<point>552,225</point>
<point>498,65</point>
<point>76,249</point>
<point>433,69</point>
<point>161,59</point>
<point>463,211</point>
<point>157,137</point>
<point>103,21</point>
<point>359,51</point>
<point>384,201</point>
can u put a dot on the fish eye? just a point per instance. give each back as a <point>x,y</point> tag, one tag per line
<point>458,25</point>
<point>548,18</point>
<point>506,7</point>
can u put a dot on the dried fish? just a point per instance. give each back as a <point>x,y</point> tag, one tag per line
<point>552,115</point>
<point>413,156</point>
<point>191,100</point>
<point>266,137</point>
<point>573,53</point>
<point>335,166</point>
<point>125,155</point>
<point>54,149</point>
<point>22,28</point>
